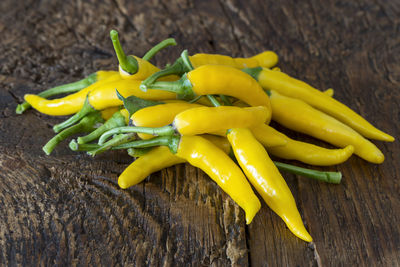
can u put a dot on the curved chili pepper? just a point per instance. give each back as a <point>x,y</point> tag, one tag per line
<point>201,153</point>
<point>69,87</point>
<point>291,87</point>
<point>155,160</point>
<point>201,120</point>
<point>159,115</point>
<point>301,117</point>
<point>301,151</point>
<point>266,59</point>
<point>187,63</point>
<point>100,97</point>
<point>265,177</point>
<point>215,80</point>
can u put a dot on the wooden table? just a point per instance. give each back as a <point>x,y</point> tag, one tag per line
<point>67,209</point>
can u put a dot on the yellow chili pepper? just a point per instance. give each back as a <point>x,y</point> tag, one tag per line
<point>186,63</point>
<point>265,177</point>
<point>155,160</point>
<point>301,151</point>
<point>286,85</point>
<point>265,59</point>
<point>100,97</point>
<point>329,92</point>
<point>159,115</point>
<point>301,117</point>
<point>159,158</point>
<point>201,153</point>
<point>212,119</point>
<point>217,79</point>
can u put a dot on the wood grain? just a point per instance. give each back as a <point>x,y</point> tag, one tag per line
<point>68,210</point>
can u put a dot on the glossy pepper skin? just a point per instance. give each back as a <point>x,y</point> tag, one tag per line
<point>301,151</point>
<point>159,115</point>
<point>160,158</point>
<point>215,80</point>
<point>266,59</point>
<point>69,104</point>
<point>213,119</point>
<point>265,177</point>
<point>101,96</point>
<point>201,153</point>
<point>225,80</point>
<point>286,85</point>
<point>301,117</point>
<point>155,160</point>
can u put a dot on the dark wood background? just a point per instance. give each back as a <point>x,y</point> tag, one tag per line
<point>67,209</point>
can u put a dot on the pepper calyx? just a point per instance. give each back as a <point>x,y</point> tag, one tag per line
<point>253,72</point>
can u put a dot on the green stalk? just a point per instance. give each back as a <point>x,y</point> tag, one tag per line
<point>85,125</point>
<point>75,146</point>
<point>225,100</point>
<point>86,109</point>
<point>134,152</point>
<point>213,100</point>
<point>138,152</point>
<point>186,60</point>
<point>158,47</point>
<point>182,87</point>
<point>117,140</point>
<point>61,89</point>
<point>178,68</point>
<point>253,72</point>
<point>329,177</point>
<point>171,141</point>
<point>127,63</point>
<point>160,131</point>
<point>117,120</point>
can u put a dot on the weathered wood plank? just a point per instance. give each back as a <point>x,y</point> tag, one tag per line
<point>67,209</point>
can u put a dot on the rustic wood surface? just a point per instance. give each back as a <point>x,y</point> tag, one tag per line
<point>67,209</point>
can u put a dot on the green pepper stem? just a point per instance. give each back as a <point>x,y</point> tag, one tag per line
<point>117,140</point>
<point>135,152</point>
<point>329,177</point>
<point>167,42</point>
<point>138,152</point>
<point>213,100</point>
<point>172,141</point>
<point>127,63</point>
<point>186,60</point>
<point>85,125</point>
<point>133,103</point>
<point>117,120</point>
<point>161,131</point>
<point>75,146</point>
<point>178,68</point>
<point>225,100</point>
<point>182,87</point>
<point>61,89</point>
<point>253,72</point>
<point>86,109</point>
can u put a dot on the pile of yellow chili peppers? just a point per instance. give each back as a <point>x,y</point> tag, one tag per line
<point>211,111</point>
